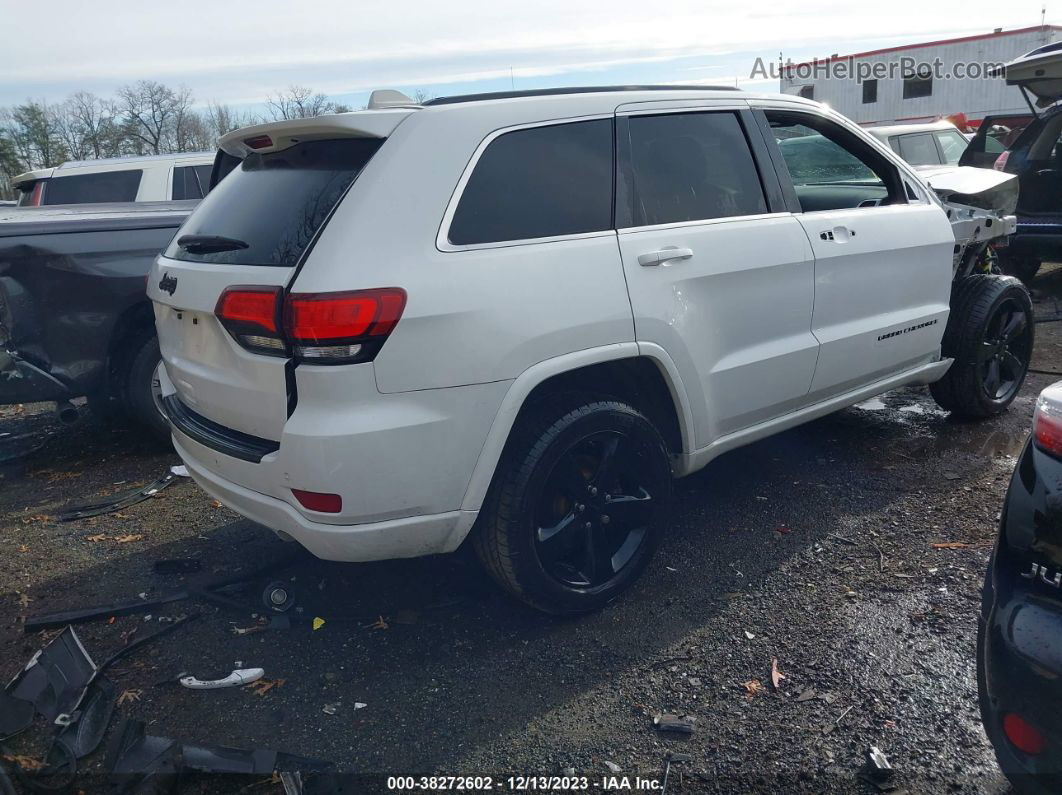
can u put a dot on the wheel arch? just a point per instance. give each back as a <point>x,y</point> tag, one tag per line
<point>624,371</point>
<point>127,334</point>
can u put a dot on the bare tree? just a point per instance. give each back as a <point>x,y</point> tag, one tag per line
<point>149,110</point>
<point>187,131</point>
<point>222,119</point>
<point>420,96</point>
<point>89,126</point>
<point>298,102</point>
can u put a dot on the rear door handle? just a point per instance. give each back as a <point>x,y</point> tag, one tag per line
<point>664,255</point>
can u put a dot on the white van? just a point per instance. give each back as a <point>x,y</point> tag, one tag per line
<point>118,179</point>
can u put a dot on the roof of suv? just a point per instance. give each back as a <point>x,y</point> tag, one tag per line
<point>554,103</point>
<point>117,162</point>
<point>553,92</point>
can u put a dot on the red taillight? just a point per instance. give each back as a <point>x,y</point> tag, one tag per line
<point>258,142</point>
<point>1047,426</point>
<point>1022,735</point>
<point>341,327</point>
<point>325,328</point>
<point>252,316</point>
<point>319,501</point>
<point>1001,161</point>
<point>37,196</point>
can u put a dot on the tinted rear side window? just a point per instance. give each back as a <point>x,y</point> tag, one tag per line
<point>539,182</point>
<point>691,167</point>
<point>274,203</point>
<point>108,186</point>
<point>190,182</point>
<point>919,150</point>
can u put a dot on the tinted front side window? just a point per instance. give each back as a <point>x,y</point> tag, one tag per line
<point>539,182</point>
<point>271,205</point>
<point>919,150</point>
<point>814,159</point>
<point>108,186</point>
<point>830,167</point>
<point>691,167</point>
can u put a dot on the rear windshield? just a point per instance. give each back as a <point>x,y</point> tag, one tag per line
<point>272,204</point>
<point>106,186</point>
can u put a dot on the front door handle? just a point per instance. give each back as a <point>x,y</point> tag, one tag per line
<point>838,234</point>
<point>664,255</point>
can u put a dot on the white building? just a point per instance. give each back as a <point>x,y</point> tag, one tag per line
<point>920,82</point>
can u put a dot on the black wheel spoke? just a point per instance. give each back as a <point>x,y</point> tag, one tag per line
<point>992,378</point>
<point>630,512</point>
<point>1014,326</point>
<point>1012,366</point>
<point>562,527</point>
<point>610,456</point>
<point>627,549</point>
<point>986,351</point>
<point>597,566</point>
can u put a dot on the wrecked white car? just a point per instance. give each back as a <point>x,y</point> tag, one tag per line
<point>981,206</point>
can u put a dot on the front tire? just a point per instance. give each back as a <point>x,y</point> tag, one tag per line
<point>990,337</point>
<point>578,504</point>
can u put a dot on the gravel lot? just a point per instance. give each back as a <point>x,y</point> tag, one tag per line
<point>812,548</point>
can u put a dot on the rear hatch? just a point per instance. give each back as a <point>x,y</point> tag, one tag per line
<point>1039,72</point>
<point>218,289</point>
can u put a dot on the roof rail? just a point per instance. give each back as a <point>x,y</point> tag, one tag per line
<point>546,92</point>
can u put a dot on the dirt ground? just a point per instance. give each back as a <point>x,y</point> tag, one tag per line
<point>812,548</point>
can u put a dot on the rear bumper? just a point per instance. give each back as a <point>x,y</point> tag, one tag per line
<point>400,462</point>
<point>408,537</point>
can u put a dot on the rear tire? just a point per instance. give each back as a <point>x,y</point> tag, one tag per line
<point>577,506</point>
<point>990,337</point>
<point>140,387</point>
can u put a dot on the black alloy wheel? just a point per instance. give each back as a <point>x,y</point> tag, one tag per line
<point>594,510</point>
<point>577,505</point>
<point>1005,351</point>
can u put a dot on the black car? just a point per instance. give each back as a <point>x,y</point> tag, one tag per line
<point>74,317</point>
<point>1019,645</point>
<point>1029,145</point>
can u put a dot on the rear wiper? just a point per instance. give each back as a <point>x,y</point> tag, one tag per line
<point>209,244</point>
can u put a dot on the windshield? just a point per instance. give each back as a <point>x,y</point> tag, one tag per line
<point>272,204</point>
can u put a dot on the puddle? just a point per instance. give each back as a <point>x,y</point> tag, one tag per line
<point>874,404</point>
<point>996,443</point>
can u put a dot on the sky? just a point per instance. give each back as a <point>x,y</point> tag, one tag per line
<point>238,53</point>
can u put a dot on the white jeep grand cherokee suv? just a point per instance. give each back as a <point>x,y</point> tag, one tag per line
<point>514,318</point>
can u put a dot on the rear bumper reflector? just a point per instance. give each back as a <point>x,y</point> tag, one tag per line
<point>215,436</point>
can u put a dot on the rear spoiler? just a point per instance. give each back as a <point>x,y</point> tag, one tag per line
<point>277,135</point>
